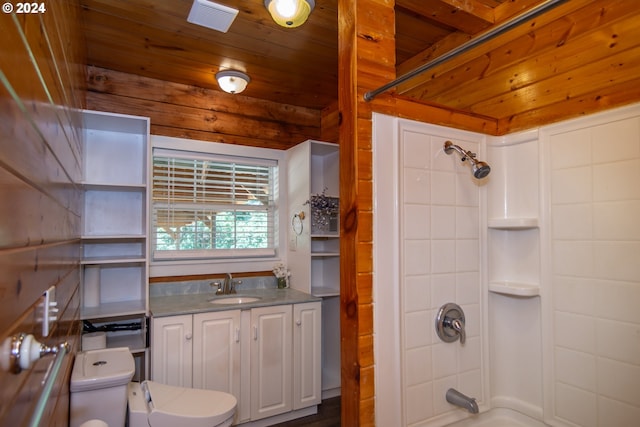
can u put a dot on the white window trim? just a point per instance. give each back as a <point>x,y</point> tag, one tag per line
<point>161,268</point>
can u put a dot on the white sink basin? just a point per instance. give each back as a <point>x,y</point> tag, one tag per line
<point>232,300</point>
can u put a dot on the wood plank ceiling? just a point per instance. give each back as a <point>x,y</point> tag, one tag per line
<point>581,56</point>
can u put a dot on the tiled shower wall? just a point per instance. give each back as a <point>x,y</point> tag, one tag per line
<point>595,270</point>
<point>440,263</point>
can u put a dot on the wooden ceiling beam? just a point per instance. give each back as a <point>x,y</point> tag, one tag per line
<point>491,45</point>
<point>469,16</point>
<point>441,47</point>
<point>456,38</point>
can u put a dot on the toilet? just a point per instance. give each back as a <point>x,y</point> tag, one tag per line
<point>101,387</point>
<point>153,404</point>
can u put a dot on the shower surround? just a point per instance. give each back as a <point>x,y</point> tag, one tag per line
<point>543,256</point>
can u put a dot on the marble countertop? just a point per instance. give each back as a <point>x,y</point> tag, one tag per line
<point>173,305</point>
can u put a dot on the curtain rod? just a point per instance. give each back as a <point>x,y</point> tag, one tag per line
<point>468,45</point>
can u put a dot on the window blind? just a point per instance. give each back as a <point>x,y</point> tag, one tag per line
<point>212,206</point>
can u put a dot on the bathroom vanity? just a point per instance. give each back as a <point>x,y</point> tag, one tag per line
<point>266,352</point>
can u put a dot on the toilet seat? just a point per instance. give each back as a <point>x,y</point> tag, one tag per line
<point>170,406</point>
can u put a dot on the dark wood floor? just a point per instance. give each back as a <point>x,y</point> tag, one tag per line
<point>328,416</point>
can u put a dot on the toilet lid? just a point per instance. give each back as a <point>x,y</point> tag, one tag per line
<point>187,407</point>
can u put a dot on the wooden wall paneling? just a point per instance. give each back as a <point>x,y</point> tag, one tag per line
<point>616,69</point>
<point>366,60</point>
<point>347,92</point>
<point>156,40</point>
<point>412,87</point>
<point>205,120</point>
<point>469,16</point>
<point>415,36</point>
<point>408,108</point>
<point>600,99</point>
<point>210,115</point>
<point>187,50</point>
<point>330,123</point>
<point>101,80</point>
<point>28,272</point>
<point>40,93</point>
<point>19,393</point>
<point>585,36</point>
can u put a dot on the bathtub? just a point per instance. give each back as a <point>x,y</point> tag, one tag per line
<point>499,417</point>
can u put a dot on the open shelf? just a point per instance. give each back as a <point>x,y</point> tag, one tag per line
<point>321,291</point>
<point>113,309</point>
<point>515,289</point>
<point>512,223</point>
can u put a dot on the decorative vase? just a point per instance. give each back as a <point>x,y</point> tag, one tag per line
<point>282,282</point>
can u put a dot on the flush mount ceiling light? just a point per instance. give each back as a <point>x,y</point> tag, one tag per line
<point>289,13</point>
<point>232,81</point>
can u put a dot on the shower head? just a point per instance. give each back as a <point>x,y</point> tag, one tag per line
<point>480,169</point>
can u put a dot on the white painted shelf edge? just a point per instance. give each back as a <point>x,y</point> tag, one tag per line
<point>324,292</point>
<point>135,342</point>
<point>512,223</point>
<point>113,260</point>
<point>114,237</point>
<point>515,289</point>
<point>112,309</point>
<point>109,186</point>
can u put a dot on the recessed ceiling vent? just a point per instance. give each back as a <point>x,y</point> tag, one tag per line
<point>212,15</point>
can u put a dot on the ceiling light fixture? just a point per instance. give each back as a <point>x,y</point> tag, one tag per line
<point>232,81</point>
<point>289,13</point>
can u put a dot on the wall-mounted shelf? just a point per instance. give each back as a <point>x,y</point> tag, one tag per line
<point>515,289</point>
<point>513,220</point>
<point>512,223</point>
<point>314,254</point>
<point>114,229</point>
<point>115,309</point>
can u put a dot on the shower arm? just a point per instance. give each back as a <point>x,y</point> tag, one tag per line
<point>448,146</point>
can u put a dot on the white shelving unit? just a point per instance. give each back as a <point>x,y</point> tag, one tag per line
<point>513,224</point>
<point>516,295</point>
<point>114,236</point>
<point>314,257</point>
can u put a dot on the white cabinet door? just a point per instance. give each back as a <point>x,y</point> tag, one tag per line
<point>307,363</point>
<point>271,341</point>
<point>216,351</point>
<point>172,350</point>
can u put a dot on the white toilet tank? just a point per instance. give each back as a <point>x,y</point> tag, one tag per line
<point>99,386</point>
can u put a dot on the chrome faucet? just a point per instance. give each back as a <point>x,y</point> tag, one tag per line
<point>228,286</point>
<point>456,398</point>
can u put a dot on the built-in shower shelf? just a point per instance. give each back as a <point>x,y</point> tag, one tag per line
<point>512,223</point>
<point>515,289</point>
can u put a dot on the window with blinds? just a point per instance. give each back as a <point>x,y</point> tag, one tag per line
<point>207,206</point>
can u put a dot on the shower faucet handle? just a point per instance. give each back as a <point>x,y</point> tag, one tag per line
<point>450,323</point>
<point>458,326</point>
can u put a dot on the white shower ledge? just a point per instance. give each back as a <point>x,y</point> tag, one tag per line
<point>515,289</point>
<point>512,223</point>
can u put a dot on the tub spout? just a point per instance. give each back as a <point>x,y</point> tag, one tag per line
<point>456,398</point>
